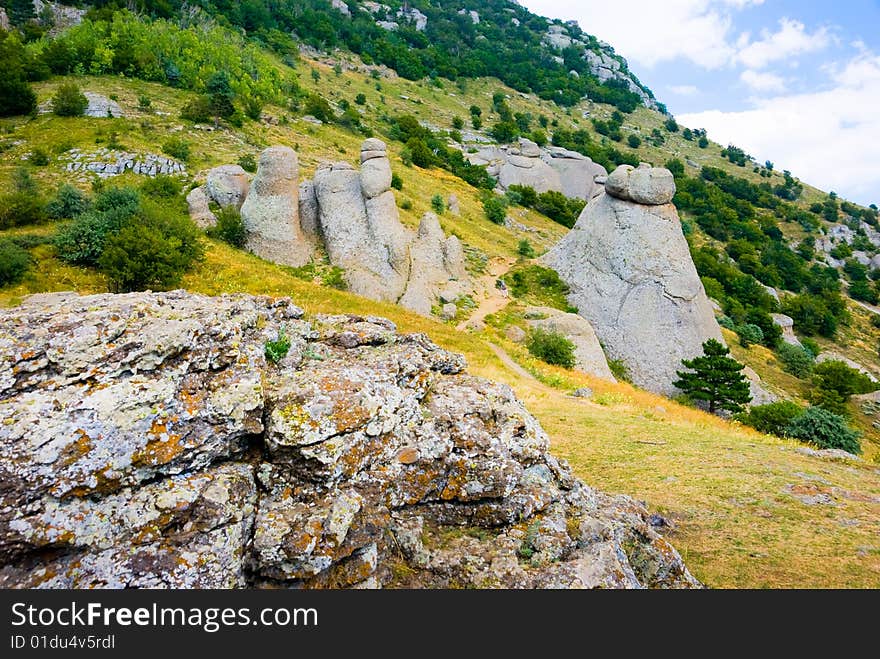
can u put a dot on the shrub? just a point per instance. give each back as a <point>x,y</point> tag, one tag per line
<point>634,141</point>
<point>319,108</point>
<point>152,253</point>
<point>82,241</point>
<point>69,101</point>
<point>396,182</point>
<point>619,370</point>
<point>749,334</point>
<point>437,204</point>
<point>495,208</point>
<point>540,286</point>
<point>68,203</point>
<point>552,348</point>
<point>457,123</point>
<point>420,154</point>
<point>39,157</point>
<point>812,347</point>
<point>229,228</point>
<point>334,278</point>
<point>824,430</point>
<point>14,263</point>
<point>525,249</point>
<point>144,102</point>
<point>166,187</point>
<point>277,350</point>
<point>834,382</point>
<point>771,419</point>
<point>360,99</point>
<point>21,208</point>
<point>247,162</point>
<point>863,290</point>
<point>406,204</point>
<point>671,125</point>
<point>16,97</point>
<point>197,110</point>
<point>795,360</point>
<point>176,147</point>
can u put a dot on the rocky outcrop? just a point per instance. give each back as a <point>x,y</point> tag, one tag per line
<point>106,163</point>
<point>786,324</point>
<point>271,210</point>
<point>199,208</point>
<point>434,261</point>
<point>147,442</point>
<point>101,107</point>
<point>588,353</point>
<point>758,392</point>
<point>631,275</point>
<point>227,186</point>
<point>551,169</point>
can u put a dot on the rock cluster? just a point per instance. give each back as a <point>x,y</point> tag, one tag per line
<point>349,213</point>
<point>631,275</point>
<point>100,107</point>
<point>107,163</point>
<point>552,169</point>
<point>588,353</point>
<point>146,442</point>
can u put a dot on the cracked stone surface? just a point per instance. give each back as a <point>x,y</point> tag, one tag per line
<point>631,275</point>
<point>146,441</point>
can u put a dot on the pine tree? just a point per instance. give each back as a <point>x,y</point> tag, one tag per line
<point>715,378</point>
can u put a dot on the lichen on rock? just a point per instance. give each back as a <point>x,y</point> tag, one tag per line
<point>146,441</point>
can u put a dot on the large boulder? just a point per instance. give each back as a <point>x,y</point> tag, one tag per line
<point>529,171</point>
<point>786,324</point>
<point>227,186</point>
<point>271,210</point>
<point>147,442</point>
<point>429,272</point>
<point>199,208</point>
<point>631,275</point>
<point>588,353</point>
<point>577,173</point>
<point>651,186</point>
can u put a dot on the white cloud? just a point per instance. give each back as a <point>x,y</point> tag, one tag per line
<point>828,138</point>
<point>650,32</point>
<point>763,82</point>
<point>790,40</point>
<point>684,90</point>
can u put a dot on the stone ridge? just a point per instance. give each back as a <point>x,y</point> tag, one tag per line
<point>146,441</point>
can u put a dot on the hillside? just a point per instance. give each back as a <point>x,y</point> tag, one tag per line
<point>748,510</point>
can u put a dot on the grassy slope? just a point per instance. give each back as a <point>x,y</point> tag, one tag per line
<point>723,486</point>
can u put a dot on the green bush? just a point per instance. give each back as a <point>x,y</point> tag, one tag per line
<point>69,101</point>
<point>749,334</point>
<point>152,253</point>
<point>248,163</point>
<point>406,204</point>
<point>795,360</point>
<point>16,96</point>
<point>197,110</point>
<point>437,204</point>
<point>162,187</point>
<point>396,182</point>
<point>176,147</point>
<point>634,141</point>
<point>552,348</point>
<point>69,202</point>
<point>277,350</point>
<point>39,157</point>
<point>771,419</point>
<point>14,263</point>
<point>334,278</point>
<point>824,430</point>
<point>229,228</point>
<point>82,241</point>
<point>319,108</point>
<point>525,249</point>
<point>619,370</point>
<point>21,208</point>
<point>495,208</point>
<point>538,285</point>
<point>835,382</point>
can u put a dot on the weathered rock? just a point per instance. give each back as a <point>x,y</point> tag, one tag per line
<point>529,171</point>
<point>786,324</point>
<point>375,169</point>
<point>434,261</point>
<point>631,275</point>
<point>757,390</point>
<point>146,442</point>
<point>583,392</point>
<point>102,107</point>
<point>453,204</point>
<point>227,186</point>
<point>199,211</point>
<point>577,173</point>
<point>271,210</point>
<point>448,311</point>
<point>651,186</point>
<point>515,334</point>
<point>588,353</point>
<point>308,211</point>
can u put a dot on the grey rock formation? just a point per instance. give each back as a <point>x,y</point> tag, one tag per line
<point>227,186</point>
<point>271,210</point>
<point>199,210</point>
<point>651,186</point>
<point>146,442</point>
<point>524,166</point>
<point>786,324</point>
<point>516,334</point>
<point>453,204</point>
<point>588,353</point>
<point>757,390</point>
<point>431,266</point>
<point>577,173</point>
<point>631,275</point>
<point>308,211</point>
<point>102,107</point>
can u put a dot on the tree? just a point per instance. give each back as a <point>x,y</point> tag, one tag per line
<point>69,101</point>
<point>715,378</point>
<point>16,97</point>
<point>552,348</point>
<point>220,91</point>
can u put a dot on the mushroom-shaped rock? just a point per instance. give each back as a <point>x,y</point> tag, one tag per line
<point>650,186</point>
<point>375,169</point>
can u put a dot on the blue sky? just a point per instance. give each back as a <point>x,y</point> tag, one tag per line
<point>797,83</point>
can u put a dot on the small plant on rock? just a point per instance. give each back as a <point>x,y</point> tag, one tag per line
<point>277,350</point>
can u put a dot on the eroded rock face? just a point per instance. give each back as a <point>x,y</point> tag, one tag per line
<point>271,210</point>
<point>631,275</point>
<point>146,442</point>
<point>199,209</point>
<point>227,186</point>
<point>588,353</point>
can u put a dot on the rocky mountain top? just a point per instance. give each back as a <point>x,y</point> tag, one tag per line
<point>175,440</point>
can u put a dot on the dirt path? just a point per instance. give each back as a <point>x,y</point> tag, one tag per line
<point>489,299</point>
<point>510,363</point>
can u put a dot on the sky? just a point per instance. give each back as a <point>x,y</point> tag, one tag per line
<point>791,81</point>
